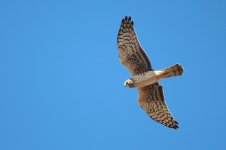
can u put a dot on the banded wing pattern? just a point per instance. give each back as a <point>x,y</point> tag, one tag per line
<point>152,100</point>
<point>131,53</point>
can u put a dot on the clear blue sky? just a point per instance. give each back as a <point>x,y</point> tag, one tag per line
<point>61,82</point>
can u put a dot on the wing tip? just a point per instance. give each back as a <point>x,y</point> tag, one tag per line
<point>170,123</point>
<point>127,20</point>
<point>173,124</point>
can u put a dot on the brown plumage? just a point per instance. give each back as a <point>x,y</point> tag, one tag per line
<point>133,56</point>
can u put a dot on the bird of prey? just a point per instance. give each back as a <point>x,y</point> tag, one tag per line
<point>133,56</point>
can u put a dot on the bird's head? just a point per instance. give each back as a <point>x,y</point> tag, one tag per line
<point>128,83</point>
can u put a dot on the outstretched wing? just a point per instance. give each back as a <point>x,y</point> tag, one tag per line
<point>131,53</point>
<point>152,100</point>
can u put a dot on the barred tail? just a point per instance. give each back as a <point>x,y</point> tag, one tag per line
<point>175,70</point>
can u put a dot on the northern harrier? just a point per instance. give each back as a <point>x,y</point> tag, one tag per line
<point>133,56</point>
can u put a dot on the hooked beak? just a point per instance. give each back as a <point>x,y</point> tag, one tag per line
<point>125,85</point>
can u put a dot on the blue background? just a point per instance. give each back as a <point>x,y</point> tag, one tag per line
<point>61,82</point>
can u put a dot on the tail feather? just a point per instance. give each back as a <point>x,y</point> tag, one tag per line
<point>175,70</point>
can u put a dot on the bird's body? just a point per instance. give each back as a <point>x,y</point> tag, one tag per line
<point>151,97</point>
<point>151,77</point>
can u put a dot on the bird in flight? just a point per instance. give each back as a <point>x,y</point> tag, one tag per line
<point>133,56</point>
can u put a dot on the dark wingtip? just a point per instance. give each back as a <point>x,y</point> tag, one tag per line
<point>175,125</point>
<point>123,20</point>
<point>128,19</point>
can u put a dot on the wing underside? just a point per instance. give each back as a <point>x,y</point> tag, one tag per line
<point>152,100</point>
<point>131,53</point>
